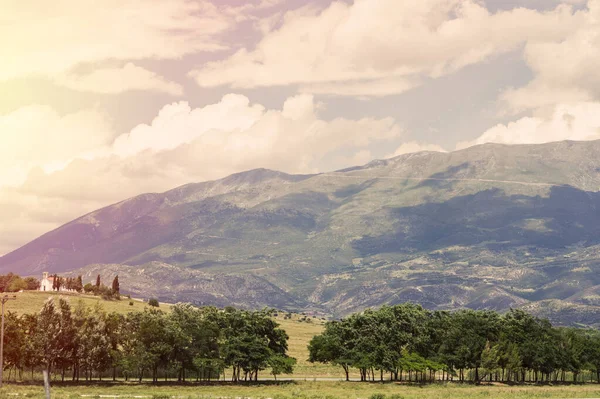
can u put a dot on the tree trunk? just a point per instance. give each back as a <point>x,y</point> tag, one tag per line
<point>45,372</point>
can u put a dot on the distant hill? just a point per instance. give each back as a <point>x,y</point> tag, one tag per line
<point>33,301</point>
<point>492,226</point>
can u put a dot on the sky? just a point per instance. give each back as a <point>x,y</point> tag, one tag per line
<point>104,100</point>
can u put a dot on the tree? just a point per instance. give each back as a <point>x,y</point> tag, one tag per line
<point>330,347</point>
<point>489,360</point>
<point>115,285</point>
<point>281,364</point>
<point>79,284</point>
<point>14,342</point>
<point>52,333</point>
<point>98,282</point>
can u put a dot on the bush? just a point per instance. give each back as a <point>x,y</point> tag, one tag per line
<point>153,302</point>
<point>378,396</point>
<point>130,303</point>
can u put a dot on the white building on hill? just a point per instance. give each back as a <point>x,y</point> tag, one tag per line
<point>46,283</point>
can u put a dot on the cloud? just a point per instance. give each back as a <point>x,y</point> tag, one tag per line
<point>565,70</point>
<point>181,145</point>
<point>37,136</point>
<point>234,135</point>
<point>117,80</point>
<point>578,121</point>
<point>178,124</point>
<point>50,38</point>
<point>381,47</point>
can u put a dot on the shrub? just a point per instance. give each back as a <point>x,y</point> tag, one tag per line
<point>130,303</point>
<point>153,302</point>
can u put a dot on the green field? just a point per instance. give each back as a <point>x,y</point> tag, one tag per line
<point>305,390</point>
<point>32,302</point>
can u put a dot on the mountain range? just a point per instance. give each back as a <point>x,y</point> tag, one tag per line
<point>489,227</point>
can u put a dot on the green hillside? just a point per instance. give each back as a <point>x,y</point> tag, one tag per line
<point>492,226</point>
<point>32,302</point>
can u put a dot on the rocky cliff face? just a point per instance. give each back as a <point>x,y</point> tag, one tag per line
<point>491,226</point>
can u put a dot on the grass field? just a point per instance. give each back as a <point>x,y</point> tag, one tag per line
<point>306,390</point>
<point>32,302</point>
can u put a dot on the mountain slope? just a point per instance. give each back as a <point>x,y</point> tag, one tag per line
<point>492,226</point>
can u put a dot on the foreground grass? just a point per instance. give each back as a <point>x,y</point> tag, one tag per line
<point>306,390</point>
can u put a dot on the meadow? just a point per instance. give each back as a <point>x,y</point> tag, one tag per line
<point>32,302</point>
<point>304,390</point>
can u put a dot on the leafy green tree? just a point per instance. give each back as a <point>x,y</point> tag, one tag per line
<point>490,359</point>
<point>14,342</point>
<point>334,346</point>
<point>31,284</point>
<point>281,364</point>
<point>51,333</point>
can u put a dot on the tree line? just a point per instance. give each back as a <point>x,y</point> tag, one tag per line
<point>79,342</point>
<point>407,342</point>
<point>98,289</point>
<point>13,283</point>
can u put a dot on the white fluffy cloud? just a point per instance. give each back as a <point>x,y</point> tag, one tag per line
<point>50,38</point>
<point>178,124</point>
<point>117,80</point>
<point>578,121</point>
<point>181,145</point>
<point>234,134</point>
<point>565,70</point>
<point>380,47</point>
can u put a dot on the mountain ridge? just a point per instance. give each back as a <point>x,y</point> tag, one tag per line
<point>441,229</point>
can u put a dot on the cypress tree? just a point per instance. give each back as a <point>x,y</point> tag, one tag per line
<point>115,285</point>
